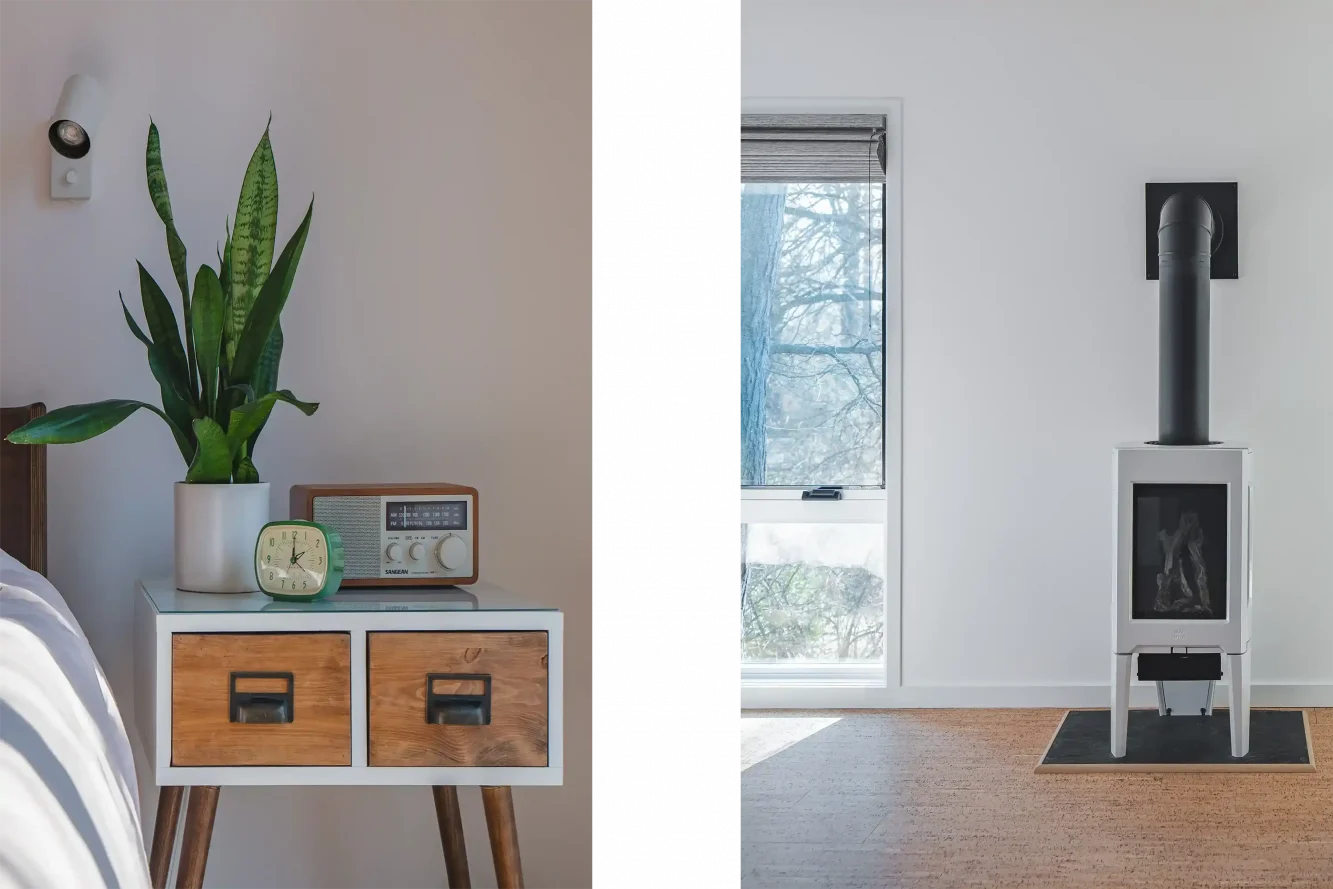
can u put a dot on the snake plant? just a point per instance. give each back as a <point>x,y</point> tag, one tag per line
<point>220,385</point>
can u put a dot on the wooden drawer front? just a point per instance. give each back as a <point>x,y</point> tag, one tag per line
<point>202,730</point>
<point>512,664</point>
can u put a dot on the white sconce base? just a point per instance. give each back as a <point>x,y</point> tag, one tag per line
<point>71,178</point>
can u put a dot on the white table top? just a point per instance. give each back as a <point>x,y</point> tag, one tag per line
<point>479,596</point>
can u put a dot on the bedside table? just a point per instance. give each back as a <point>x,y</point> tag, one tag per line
<point>441,688</point>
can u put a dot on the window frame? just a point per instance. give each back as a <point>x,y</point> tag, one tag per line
<point>861,505</point>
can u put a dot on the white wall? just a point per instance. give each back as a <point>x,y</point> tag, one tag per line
<point>1029,329</point>
<point>441,315</point>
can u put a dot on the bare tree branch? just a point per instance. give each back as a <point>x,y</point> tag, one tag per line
<point>805,349</point>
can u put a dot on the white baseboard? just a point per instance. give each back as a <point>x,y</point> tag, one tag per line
<point>810,697</point>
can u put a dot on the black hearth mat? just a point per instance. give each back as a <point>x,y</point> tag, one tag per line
<point>1279,742</point>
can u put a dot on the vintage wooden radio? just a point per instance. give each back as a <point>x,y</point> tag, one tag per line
<point>397,535</point>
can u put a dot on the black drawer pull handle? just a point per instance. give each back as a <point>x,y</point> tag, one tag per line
<point>458,709</point>
<point>262,706</point>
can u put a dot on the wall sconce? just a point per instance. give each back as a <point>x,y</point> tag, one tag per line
<point>73,126</point>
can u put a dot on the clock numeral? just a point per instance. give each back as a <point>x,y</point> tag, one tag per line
<point>303,584</point>
<point>270,575</point>
<point>270,541</point>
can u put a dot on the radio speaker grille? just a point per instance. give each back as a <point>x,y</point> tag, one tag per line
<point>357,521</point>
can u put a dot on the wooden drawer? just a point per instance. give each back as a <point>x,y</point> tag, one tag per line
<point>490,688</point>
<point>203,732</point>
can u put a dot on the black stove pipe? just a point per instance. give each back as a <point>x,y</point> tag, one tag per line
<point>1184,258</point>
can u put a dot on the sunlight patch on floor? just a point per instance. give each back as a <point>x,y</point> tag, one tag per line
<point>763,736</point>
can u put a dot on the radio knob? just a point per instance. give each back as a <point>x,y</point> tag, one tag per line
<point>415,552</point>
<point>393,552</point>
<point>452,552</point>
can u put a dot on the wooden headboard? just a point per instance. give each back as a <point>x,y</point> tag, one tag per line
<point>23,491</point>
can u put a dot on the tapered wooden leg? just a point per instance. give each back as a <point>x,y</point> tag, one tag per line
<point>199,813</point>
<point>499,805</point>
<point>451,836</point>
<point>164,833</point>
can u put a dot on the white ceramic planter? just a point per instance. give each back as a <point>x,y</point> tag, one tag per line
<point>216,530</point>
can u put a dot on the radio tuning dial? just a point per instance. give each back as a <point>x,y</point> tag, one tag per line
<point>415,552</point>
<point>452,552</point>
<point>393,552</point>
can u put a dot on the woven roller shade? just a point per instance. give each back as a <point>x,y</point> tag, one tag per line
<point>812,147</point>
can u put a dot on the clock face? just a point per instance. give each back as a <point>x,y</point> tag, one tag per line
<point>296,560</point>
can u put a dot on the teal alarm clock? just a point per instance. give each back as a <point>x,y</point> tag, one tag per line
<point>299,561</point>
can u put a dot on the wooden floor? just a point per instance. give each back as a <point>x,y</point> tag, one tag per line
<point>936,798</point>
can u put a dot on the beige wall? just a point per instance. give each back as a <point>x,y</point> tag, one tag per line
<point>441,316</point>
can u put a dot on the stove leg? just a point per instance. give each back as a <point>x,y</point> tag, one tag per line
<point>1238,675</point>
<point>1120,705</point>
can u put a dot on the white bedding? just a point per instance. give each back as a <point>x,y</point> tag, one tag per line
<point>69,808</point>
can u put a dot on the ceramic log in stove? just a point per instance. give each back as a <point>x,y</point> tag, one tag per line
<point>1181,586</point>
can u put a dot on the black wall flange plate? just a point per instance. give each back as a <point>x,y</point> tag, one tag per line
<point>1221,196</point>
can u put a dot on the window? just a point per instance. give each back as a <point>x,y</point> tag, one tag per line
<point>814,413</point>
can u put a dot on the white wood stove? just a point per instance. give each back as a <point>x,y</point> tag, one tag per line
<point>1182,575</point>
<point>1181,588</point>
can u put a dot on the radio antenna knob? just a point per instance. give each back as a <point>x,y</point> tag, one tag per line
<point>452,552</point>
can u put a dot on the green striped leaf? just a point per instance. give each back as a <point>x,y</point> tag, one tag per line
<point>207,319</point>
<point>224,267</point>
<point>252,239</point>
<point>266,373</point>
<point>166,360</point>
<point>244,389</point>
<point>134,325</point>
<point>173,391</point>
<point>231,397</point>
<point>176,404</point>
<point>245,472</point>
<point>162,324</point>
<point>157,191</point>
<point>263,316</point>
<point>266,369</point>
<point>182,432</point>
<point>212,462</point>
<point>224,277</point>
<point>80,422</point>
<point>247,419</point>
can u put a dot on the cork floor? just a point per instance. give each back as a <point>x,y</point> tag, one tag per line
<point>948,798</point>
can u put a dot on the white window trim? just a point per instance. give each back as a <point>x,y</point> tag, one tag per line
<point>820,512</point>
<point>807,676</point>
<point>792,493</point>
<point>775,682</point>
